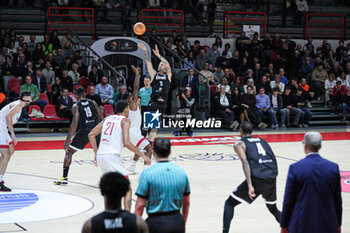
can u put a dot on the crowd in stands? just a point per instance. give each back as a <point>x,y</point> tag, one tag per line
<point>261,79</point>
<point>282,76</point>
<point>51,69</point>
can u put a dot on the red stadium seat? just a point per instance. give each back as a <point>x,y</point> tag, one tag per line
<point>84,82</point>
<point>49,88</point>
<point>15,85</point>
<point>50,113</point>
<point>109,110</point>
<point>65,119</point>
<point>73,96</point>
<point>76,87</point>
<point>31,107</point>
<point>43,96</point>
<point>213,88</point>
<point>206,48</point>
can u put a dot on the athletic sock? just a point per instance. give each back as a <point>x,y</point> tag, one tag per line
<point>65,171</point>
<point>1,177</point>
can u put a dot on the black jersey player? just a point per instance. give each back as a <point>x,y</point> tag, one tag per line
<point>260,169</point>
<point>160,82</point>
<point>86,115</point>
<point>113,187</point>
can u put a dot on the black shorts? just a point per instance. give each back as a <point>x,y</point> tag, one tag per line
<point>157,105</point>
<point>267,189</point>
<point>81,139</point>
<point>166,223</point>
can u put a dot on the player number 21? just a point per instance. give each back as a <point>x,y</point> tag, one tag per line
<point>109,129</point>
<point>261,150</point>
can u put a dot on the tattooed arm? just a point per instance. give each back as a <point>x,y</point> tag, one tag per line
<point>150,69</point>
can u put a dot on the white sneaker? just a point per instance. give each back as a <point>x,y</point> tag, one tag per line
<point>146,166</point>
<point>132,168</point>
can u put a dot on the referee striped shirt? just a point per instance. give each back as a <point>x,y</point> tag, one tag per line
<point>164,185</point>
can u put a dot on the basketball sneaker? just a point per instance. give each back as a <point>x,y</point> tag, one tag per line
<point>3,188</point>
<point>63,180</point>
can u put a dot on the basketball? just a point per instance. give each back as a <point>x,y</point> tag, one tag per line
<point>139,28</point>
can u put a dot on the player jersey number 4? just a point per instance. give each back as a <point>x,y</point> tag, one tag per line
<point>111,135</point>
<point>261,158</point>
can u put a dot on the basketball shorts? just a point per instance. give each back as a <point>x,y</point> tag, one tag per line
<point>81,139</point>
<point>111,163</point>
<point>267,189</point>
<point>5,139</point>
<point>137,139</point>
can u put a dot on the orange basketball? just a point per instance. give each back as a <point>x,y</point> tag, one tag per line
<point>139,28</point>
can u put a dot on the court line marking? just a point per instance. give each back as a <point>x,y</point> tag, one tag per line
<point>20,227</point>
<point>74,182</point>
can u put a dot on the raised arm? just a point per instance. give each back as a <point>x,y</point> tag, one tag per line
<point>164,61</point>
<point>73,126</point>
<point>128,144</point>
<point>240,150</point>
<point>150,69</point>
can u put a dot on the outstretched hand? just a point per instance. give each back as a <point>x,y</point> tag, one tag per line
<point>143,47</point>
<point>156,51</point>
<point>136,71</point>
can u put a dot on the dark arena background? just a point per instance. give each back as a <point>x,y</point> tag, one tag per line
<point>283,65</point>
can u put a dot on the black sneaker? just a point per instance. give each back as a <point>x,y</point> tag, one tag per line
<point>3,188</point>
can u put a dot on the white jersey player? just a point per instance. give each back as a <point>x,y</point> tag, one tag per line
<point>136,120</point>
<point>9,116</point>
<point>114,132</point>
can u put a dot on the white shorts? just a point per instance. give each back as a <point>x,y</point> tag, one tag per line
<point>111,163</point>
<point>137,139</point>
<point>5,139</point>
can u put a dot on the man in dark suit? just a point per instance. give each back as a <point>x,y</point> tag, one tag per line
<point>39,81</point>
<point>65,104</point>
<point>191,80</point>
<point>312,199</point>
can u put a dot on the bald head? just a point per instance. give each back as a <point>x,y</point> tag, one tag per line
<point>312,142</point>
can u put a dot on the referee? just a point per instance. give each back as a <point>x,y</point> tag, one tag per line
<point>163,189</point>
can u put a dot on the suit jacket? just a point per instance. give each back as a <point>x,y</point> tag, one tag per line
<point>194,82</point>
<point>312,199</point>
<point>43,84</point>
<point>62,101</point>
